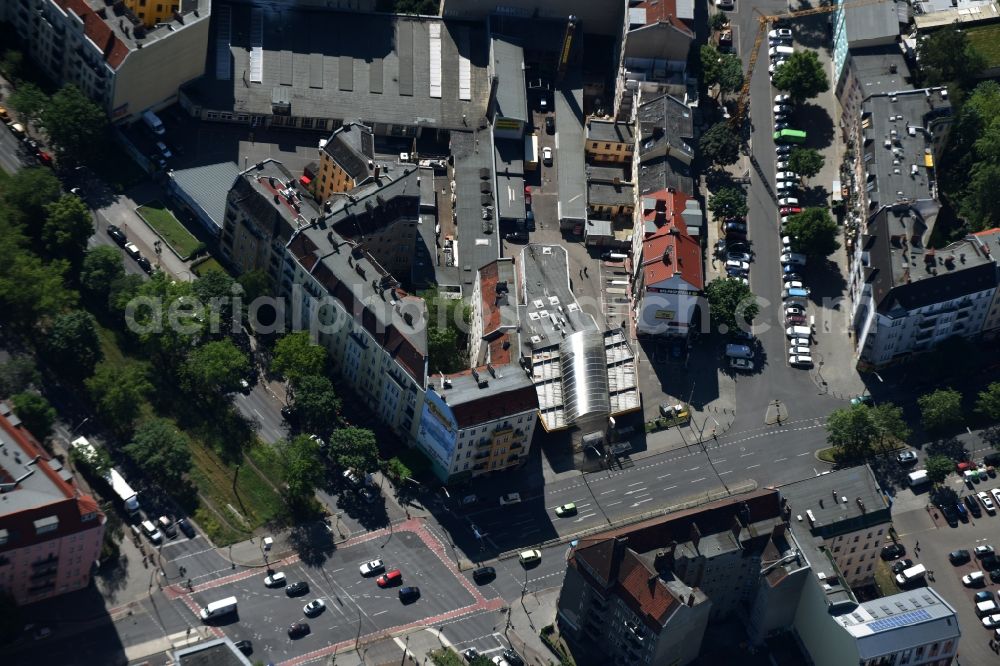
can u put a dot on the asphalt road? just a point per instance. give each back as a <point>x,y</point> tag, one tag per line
<point>10,148</point>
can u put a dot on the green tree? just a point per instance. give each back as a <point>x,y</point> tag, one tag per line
<point>30,290</point>
<point>938,467</point>
<point>119,392</point>
<point>889,423</point>
<point>397,470</point>
<point>215,290</point>
<point>946,56</point>
<point>728,202</point>
<point>731,304</point>
<point>35,413</point>
<point>30,102</point>
<point>446,323</point>
<point>168,319</point>
<point>802,76</point>
<point>77,126</point>
<point>852,430</point>
<point>101,267</point>
<point>988,402</point>
<point>72,343</point>
<point>722,69</point>
<point>255,284</point>
<point>296,356</point>
<point>805,161</point>
<point>316,403</point>
<point>10,67</point>
<point>940,409</point>
<point>28,194</point>
<point>720,145</point>
<point>814,233</point>
<point>355,448</point>
<point>980,202</point>
<point>68,226</point>
<point>96,462</point>
<point>123,290</point>
<point>216,368</point>
<point>302,472</point>
<point>161,451</point>
<point>718,21</point>
<point>17,374</point>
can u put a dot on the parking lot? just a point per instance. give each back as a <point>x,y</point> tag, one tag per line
<point>920,525</point>
<point>356,607</point>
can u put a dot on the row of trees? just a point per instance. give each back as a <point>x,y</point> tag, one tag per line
<point>77,127</point>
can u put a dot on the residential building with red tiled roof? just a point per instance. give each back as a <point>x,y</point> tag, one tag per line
<point>127,58</point>
<point>669,277</point>
<point>644,594</point>
<point>50,532</point>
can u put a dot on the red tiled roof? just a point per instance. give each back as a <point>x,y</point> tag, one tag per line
<point>668,208</point>
<point>69,509</point>
<point>98,31</point>
<point>662,11</point>
<point>666,254</point>
<point>645,593</point>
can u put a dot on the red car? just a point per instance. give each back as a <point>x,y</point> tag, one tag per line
<point>388,579</point>
<point>44,158</point>
<point>790,210</point>
<point>795,319</point>
<point>527,195</point>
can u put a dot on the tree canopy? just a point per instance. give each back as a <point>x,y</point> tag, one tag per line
<point>446,319</point>
<point>316,404</point>
<point>889,423</point>
<point>302,472</point>
<point>802,76</point>
<point>72,343</point>
<point>814,233</point>
<point>77,126</point>
<point>971,165</point>
<point>161,451</point>
<point>722,69</point>
<point>118,392</point>
<point>35,413</point>
<point>68,226</point>
<point>18,373</point>
<point>728,202</point>
<point>946,56</point>
<point>806,162</point>
<point>732,306</point>
<point>938,467</point>
<point>988,402</point>
<point>355,448</point>
<point>940,409</point>
<point>296,356</point>
<point>852,430</point>
<point>216,368</point>
<point>29,101</point>
<point>28,194</point>
<point>720,145</point>
<point>102,265</point>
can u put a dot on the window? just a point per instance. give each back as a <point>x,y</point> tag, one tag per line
<point>159,9</point>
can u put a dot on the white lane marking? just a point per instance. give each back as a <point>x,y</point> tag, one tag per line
<point>670,487</point>
<point>697,480</point>
<point>780,459</point>
<point>752,466</point>
<point>613,503</point>
<point>657,478</point>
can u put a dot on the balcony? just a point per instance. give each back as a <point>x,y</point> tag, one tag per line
<point>516,446</point>
<point>482,456</point>
<point>927,323</point>
<point>39,575</point>
<point>48,561</point>
<point>484,441</point>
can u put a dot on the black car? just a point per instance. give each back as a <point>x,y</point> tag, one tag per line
<point>246,647</point>
<point>950,515</point>
<point>529,220</point>
<point>958,557</point>
<point>484,575</point>
<point>893,551</point>
<point>990,562</point>
<point>516,237</point>
<point>470,654</point>
<point>550,125</point>
<point>409,594</point>
<point>144,264</point>
<point>298,629</point>
<point>296,589</point>
<point>995,575</point>
<point>973,506</point>
<point>117,235</point>
<point>512,658</point>
<point>899,566</point>
<point>184,526</point>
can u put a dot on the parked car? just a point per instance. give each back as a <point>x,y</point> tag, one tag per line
<point>973,505</point>
<point>297,589</point>
<point>794,319</point>
<point>470,654</point>
<point>738,265</point>
<point>893,551</point>
<point>791,277</point>
<point>783,149</point>
<point>550,125</point>
<point>800,360</point>
<point>800,350</point>
<point>484,575</point>
<point>184,526</point>
<point>132,250</point>
<point>390,578</point>
<point>244,646</point>
<point>117,235</point>
<point>528,557</point>
<point>513,658</point>
<point>899,566</point>
<point>991,621</point>
<point>790,210</point>
<point>987,502</point>
<point>144,264</point>
<point>983,595</point>
<point>959,557</point>
<point>786,175</point>
<point>782,99</point>
<point>738,256</point>
<point>983,550</point>
<point>906,457</point>
<point>974,579</point>
<point>547,156</point>
<point>780,33</point>
<point>314,608</point>
<point>741,364</point>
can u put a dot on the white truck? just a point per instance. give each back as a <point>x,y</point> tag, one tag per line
<point>918,478</point>
<point>218,608</point>
<point>129,497</point>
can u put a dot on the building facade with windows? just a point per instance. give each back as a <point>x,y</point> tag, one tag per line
<point>345,161</point>
<point>609,141</point>
<point>126,58</point>
<point>50,533</point>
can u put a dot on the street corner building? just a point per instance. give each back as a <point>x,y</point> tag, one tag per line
<point>50,532</point>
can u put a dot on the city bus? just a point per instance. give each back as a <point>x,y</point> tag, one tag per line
<point>789,136</point>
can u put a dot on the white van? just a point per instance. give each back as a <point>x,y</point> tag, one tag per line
<point>984,608</point>
<point>153,123</point>
<point>911,574</point>
<point>152,533</point>
<point>918,478</point>
<point>219,608</point>
<point>780,51</point>
<point>798,332</point>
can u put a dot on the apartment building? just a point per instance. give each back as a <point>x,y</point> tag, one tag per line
<point>845,511</point>
<point>908,298</point>
<point>124,61</point>
<point>346,160</point>
<point>609,141</point>
<point>50,532</point>
<point>989,241</point>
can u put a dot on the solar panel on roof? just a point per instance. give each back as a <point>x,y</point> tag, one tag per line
<point>896,621</point>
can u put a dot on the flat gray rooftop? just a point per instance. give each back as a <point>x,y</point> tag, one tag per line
<point>508,66</point>
<point>610,131</point>
<point>873,69</point>
<point>474,184</point>
<point>35,488</point>
<point>569,154</point>
<point>823,496</point>
<point>609,194</point>
<point>379,68</point>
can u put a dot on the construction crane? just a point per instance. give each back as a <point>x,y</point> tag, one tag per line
<point>765,21</point>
